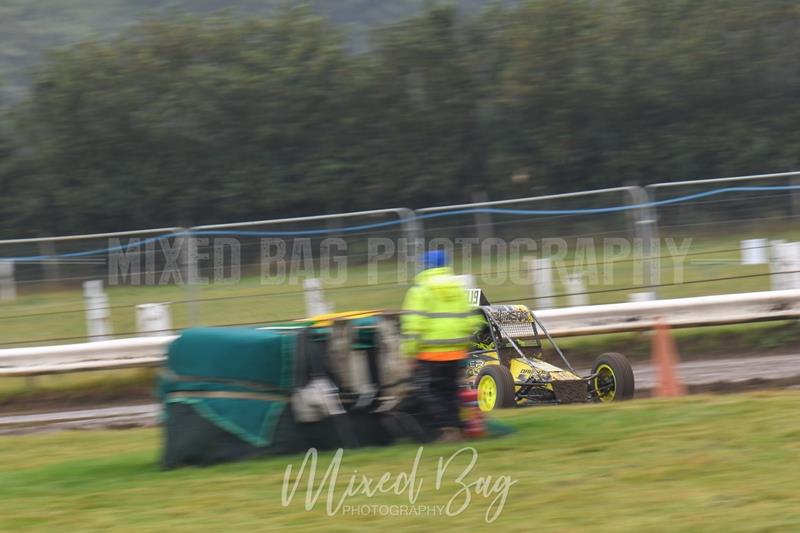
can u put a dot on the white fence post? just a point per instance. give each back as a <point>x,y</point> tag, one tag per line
<point>541,272</point>
<point>98,315</point>
<point>153,320</point>
<point>576,290</point>
<point>785,265</point>
<point>8,288</point>
<point>755,251</point>
<point>315,301</point>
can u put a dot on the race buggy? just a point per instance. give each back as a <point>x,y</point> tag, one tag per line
<point>507,368</point>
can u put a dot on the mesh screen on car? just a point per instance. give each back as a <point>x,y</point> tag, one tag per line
<point>570,391</point>
<point>515,321</point>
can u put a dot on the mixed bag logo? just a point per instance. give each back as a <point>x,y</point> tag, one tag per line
<point>452,479</point>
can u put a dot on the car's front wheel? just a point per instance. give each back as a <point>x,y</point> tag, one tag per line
<point>495,386</point>
<point>613,380</point>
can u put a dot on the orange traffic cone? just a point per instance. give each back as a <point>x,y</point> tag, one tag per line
<point>665,361</point>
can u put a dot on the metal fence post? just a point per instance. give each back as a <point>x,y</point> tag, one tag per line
<point>189,267</point>
<point>8,288</point>
<point>483,221</point>
<point>413,233</point>
<point>795,181</point>
<point>52,270</point>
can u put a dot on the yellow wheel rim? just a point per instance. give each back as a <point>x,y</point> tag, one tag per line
<point>487,393</point>
<point>605,377</point>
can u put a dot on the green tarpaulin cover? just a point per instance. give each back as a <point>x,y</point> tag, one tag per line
<point>238,379</point>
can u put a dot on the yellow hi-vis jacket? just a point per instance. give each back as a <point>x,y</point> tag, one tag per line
<point>437,321</point>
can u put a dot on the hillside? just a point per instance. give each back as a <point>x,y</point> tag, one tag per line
<point>30,27</point>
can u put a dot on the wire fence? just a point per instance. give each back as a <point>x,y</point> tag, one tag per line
<point>674,239</point>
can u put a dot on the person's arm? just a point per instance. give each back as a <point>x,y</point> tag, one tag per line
<point>477,321</point>
<point>412,322</point>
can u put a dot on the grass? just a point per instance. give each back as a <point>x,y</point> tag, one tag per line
<point>64,390</point>
<point>696,464</point>
<point>693,343</point>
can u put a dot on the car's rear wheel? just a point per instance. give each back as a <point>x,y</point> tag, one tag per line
<point>613,381</point>
<point>495,386</point>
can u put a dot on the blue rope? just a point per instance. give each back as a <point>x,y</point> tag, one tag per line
<point>102,251</point>
<point>441,214</point>
<point>299,233</point>
<point>612,209</point>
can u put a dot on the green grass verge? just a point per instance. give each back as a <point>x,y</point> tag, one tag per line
<point>63,390</point>
<point>696,464</point>
<point>693,343</point>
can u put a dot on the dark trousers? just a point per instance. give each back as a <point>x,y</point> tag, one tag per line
<point>437,386</point>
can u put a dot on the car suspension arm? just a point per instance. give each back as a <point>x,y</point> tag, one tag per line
<point>553,344</point>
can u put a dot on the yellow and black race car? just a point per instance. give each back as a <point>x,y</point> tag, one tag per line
<point>507,369</point>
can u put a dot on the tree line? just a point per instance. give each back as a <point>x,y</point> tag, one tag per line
<point>187,120</point>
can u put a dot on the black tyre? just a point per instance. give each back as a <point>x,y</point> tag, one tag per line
<point>614,381</point>
<point>495,386</point>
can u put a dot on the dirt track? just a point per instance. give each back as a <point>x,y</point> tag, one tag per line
<point>771,367</point>
<point>719,375</point>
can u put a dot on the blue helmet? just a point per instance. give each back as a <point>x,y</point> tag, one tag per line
<point>434,259</point>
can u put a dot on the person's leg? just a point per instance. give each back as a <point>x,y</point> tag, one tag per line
<point>445,383</point>
<point>445,406</point>
<point>441,404</point>
<point>426,383</point>
<point>451,388</point>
